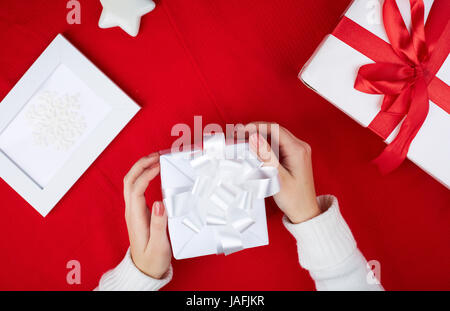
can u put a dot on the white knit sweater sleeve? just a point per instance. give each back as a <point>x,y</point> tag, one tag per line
<point>127,277</point>
<point>327,249</point>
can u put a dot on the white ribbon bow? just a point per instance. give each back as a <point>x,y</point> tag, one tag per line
<point>223,192</point>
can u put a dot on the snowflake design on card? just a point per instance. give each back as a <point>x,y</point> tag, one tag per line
<point>56,120</point>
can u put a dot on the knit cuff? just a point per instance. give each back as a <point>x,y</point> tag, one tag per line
<point>325,240</point>
<point>127,277</point>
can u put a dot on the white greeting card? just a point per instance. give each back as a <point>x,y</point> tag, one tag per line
<point>55,122</point>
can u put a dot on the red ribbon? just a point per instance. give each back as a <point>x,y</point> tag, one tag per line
<point>404,71</point>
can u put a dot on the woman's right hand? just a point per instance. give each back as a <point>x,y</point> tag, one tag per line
<point>297,197</point>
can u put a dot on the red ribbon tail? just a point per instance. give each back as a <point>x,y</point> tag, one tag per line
<point>389,160</point>
<point>395,153</point>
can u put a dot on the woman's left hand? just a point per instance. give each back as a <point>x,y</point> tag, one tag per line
<point>149,244</point>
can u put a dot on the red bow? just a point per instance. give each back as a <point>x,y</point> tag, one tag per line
<point>403,73</point>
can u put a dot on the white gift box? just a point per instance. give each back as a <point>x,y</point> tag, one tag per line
<point>332,70</point>
<point>177,172</point>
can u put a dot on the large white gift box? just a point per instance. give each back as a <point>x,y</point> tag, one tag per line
<point>215,198</point>
<point>332,71</point>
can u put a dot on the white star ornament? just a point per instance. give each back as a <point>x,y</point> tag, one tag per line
<point>124,13</point>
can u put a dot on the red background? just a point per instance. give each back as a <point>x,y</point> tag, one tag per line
<point>231,62</point>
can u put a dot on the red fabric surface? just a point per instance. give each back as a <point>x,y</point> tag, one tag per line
<point>230,62</point>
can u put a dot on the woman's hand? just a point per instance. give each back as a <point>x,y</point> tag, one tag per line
<point>150,248</point>
<point>297,197</point>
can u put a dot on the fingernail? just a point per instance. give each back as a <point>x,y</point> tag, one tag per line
<point>263,149</point>
<point>158,209</point>
<point>261,140</point>
<point>254,139</point>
